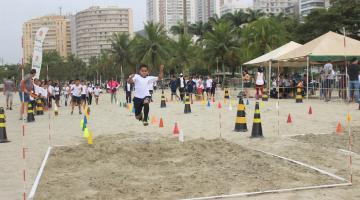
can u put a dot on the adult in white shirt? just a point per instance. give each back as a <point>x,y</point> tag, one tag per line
<point>83,93</point>
<point>181,84</point>
<point>50,93</point>
<point>329,75</point>
<point>76,91</point>
<point>142,94</point>
<point>89,94</point>
<point>209,83</point>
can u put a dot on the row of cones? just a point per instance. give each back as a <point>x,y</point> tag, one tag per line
<point>84,125</point>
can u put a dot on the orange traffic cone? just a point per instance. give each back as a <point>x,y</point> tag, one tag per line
<point>219,105</point>
<point>339,129</point>
<point>176,129</point>
<point>310,111</point>
<point>153,120</point>
<point>161,124</point>
<point>289,120</point>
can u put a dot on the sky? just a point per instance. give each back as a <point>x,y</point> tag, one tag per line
<point>13,13</point>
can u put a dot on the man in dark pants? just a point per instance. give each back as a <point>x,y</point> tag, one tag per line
<point>181,84</point>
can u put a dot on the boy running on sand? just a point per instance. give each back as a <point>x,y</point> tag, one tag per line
<point>142,94</point>
<point>76,90</point>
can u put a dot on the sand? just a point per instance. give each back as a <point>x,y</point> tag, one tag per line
<point>126,167</point>
<point>109,119</point>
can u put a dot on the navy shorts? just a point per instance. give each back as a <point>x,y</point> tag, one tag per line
<point>139,104</point>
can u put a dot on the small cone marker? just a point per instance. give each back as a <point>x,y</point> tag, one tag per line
<point>225,101</point>
<point>348,117</point>
<point>213,100</point>
<point>339,129</point>
<point>203,103</point>
<point>161,124</point>
<point>226,94</point>
<point>133,110</point>
<point>247,102</point>
<point>86,133</point>
<point>208,104</point>
<point>310,111</point>
<point>219,105</point>
<point>90,139</point>
<point>176,129</point>
<point>262,104</point>
<point>289,120</point>
<point>82,123</point>
<point>230,107</point>
<point>181,136</point>
<point>153,120</point>
<point>298,97</point>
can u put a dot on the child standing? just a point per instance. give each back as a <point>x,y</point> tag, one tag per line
<point>76,91</point>
<point>142,95</point>
<point>97,91</point>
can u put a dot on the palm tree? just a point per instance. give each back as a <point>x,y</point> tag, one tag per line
<point>120,50</point>
<point>221,42</point>
<point>253,15</point>
<point>199,29</point>
<point>177,29</point>
<point>184,52</point>
<point>153,46</point>
<point>262,36</point>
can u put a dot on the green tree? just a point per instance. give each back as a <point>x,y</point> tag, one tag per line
<point>221,42</point>
<point>262,36</point>
<point>121,52</point>
<point>153,48</point>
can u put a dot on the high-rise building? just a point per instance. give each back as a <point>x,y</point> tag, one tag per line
<point>169,12</point>
<point>306,6</point>
<point>57,38</point>
<point>207,8</point>
<point>96,25</point>
<point>273,6</point>
<point>230,6</point>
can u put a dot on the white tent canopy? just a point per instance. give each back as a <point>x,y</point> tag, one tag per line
<point>329,45</point>
<point>274,55</point>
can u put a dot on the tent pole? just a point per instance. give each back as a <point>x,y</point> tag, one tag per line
<point>269,81</point>
<point>307,78</point>
<point>278,97</point>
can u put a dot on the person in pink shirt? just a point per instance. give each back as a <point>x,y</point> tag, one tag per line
<point>113,86</point>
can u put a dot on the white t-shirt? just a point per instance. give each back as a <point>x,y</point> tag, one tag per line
<point>76,90</point>
<point>97,91</point>
<point>209,83</point>
<point>142,85</point>
<point>128,87</point>
<point>89,90</point>
<point>37,89</point>
<point>56,91</point>
<point>151,85</point>
<point>259,78</point>
<point>182,82</point>
<point>44,92</point>
<point>84,89</point>
<point>51,90</point>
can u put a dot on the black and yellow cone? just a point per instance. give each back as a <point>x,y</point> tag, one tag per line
<point>265,96</point>
<point>3,136</point>
<point>257,129</point>
<point>240,124</point>
<point>226,95</point>
<point>187,108</point>
<point>299,98</point>
<point>163,100</point>
<point>39,107</point>
<point>30,113</point>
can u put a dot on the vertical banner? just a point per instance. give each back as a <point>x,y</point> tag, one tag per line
<point>37,55</point>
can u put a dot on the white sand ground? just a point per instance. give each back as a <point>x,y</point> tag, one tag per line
<point>108,119</point>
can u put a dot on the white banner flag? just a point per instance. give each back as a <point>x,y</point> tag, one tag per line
<point>37,55</point>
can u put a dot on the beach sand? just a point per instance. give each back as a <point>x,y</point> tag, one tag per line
<point>109,120</point>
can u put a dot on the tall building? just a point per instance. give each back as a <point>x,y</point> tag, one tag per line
<point>57,38</point>
<point>273,6</point>
<point>230,6</point>
<point>96,25</point>
<point>169,12</point>
<point>306,6</point>
<point>207,8</point>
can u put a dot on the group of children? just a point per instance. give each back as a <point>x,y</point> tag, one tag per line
<point>192,85</point>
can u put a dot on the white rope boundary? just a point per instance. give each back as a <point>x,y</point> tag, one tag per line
<point>347,183</point>
<point>38,177</point>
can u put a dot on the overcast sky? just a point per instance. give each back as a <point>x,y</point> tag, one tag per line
<point>13,13</point>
